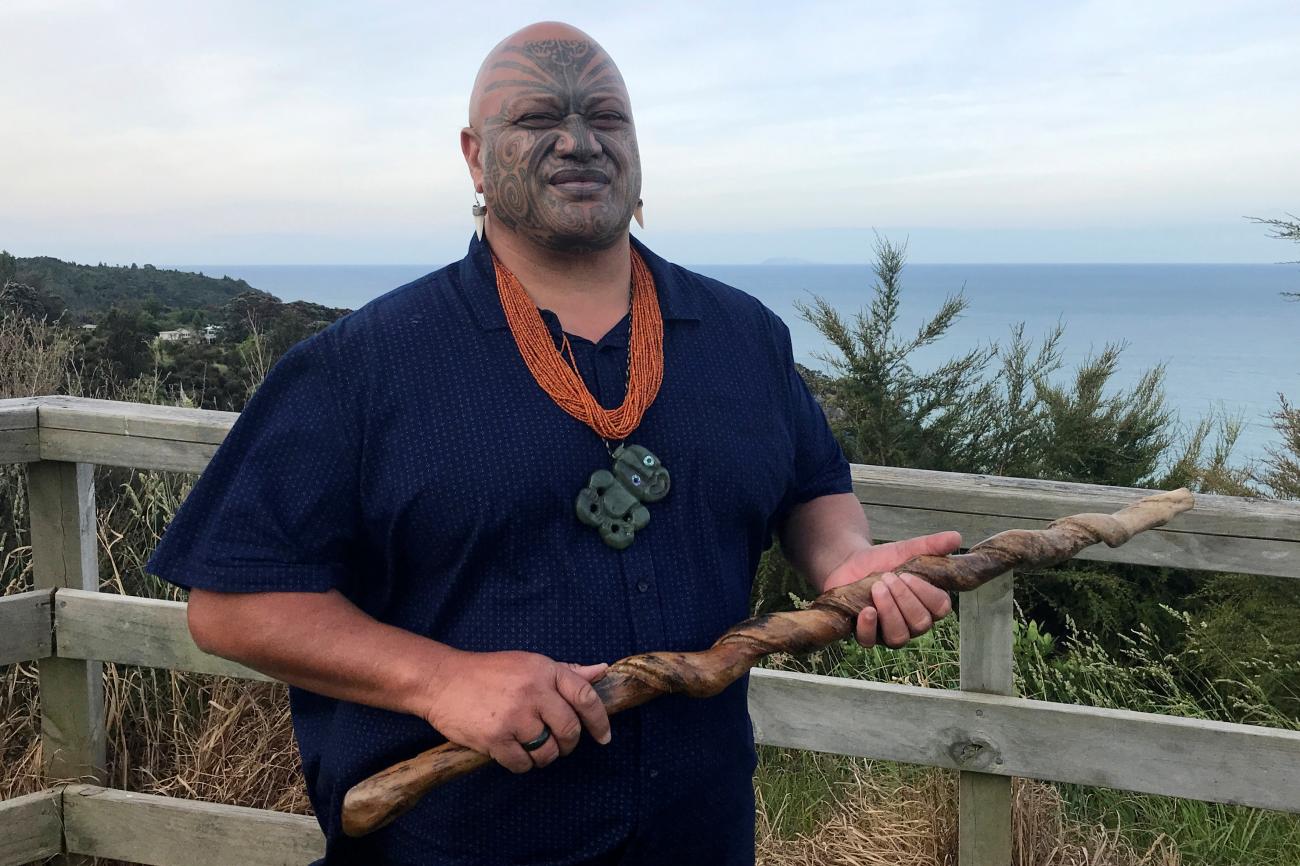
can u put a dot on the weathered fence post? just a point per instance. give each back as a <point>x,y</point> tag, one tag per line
<point>984,823</point>
<point>61,499</point>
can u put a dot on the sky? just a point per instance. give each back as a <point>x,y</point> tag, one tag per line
<point>327,132</point>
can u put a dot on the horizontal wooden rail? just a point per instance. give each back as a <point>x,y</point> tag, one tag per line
<point>1222,533</point>
<point>169,831</point>
<point>31,828</point>
<point>143,436</point>
<point>1249,536</point>
<point>1169,755</point>
<point>26,627</point>
<point>134,631</point>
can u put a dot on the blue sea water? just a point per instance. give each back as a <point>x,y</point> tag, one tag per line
<point>1229,342</point>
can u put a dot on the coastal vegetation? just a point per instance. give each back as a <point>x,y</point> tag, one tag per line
<point>1159,640</point>
<point>203,341</point>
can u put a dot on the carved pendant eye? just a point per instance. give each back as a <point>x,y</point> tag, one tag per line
<point>636,480</point>
<point>648,461</point>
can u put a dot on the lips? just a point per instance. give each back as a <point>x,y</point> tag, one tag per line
<point>579,176</point>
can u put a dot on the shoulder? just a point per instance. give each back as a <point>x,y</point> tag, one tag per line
<point>422,301</point>
<point>384,329</point>
<point>361,349</point>
<point>723,308</point>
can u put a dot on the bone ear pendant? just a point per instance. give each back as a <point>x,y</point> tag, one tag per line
<point>613,501</point>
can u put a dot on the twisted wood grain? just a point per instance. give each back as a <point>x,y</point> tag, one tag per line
<point>632,681</point>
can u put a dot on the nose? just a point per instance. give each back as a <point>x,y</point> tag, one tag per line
<point>577,140</point>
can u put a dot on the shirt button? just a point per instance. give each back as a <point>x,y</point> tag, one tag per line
<point>643,586</point>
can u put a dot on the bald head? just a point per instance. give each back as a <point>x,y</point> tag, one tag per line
<point>530,57</point>
<point>551,143</point>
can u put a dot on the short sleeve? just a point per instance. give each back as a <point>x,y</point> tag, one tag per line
<point>277,507</point>
<point>820,468</point>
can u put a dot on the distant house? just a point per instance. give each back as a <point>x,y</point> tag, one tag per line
<point>87,327</point>
<point>212,332</point>
<point>176,336</point>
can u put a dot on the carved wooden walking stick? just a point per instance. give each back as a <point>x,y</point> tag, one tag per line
<point>632,681</point>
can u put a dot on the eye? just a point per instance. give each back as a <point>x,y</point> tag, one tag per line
<point>538,120</point>
<point>607,119</point>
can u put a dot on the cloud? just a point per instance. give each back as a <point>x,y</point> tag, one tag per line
<point>231,129</point>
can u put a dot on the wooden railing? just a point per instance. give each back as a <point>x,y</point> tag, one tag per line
<point>69,629</point>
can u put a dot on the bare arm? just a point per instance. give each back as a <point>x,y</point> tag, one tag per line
<point>321,642</point>
<point>324,643</point>
<point>822,533</point>
<point>828,540</point>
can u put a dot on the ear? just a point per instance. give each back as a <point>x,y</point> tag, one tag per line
<point>472,147</point>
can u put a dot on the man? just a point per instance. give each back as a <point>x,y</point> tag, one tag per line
<point>401,525</point>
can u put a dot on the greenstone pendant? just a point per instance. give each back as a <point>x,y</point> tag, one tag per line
<point>612,501</point>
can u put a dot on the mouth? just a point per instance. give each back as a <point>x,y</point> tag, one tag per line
<point>579,180</point>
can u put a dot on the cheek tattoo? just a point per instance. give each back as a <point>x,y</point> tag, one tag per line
<point>546,125</point>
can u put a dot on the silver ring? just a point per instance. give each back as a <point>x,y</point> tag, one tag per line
<point>538,741</point>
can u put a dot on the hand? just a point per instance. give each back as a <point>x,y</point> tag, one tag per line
<point>902,605</point>
<point>493,702</point>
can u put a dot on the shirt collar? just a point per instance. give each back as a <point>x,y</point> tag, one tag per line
<point>478,284</point>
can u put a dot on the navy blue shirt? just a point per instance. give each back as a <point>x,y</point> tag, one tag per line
<point>406,457</point>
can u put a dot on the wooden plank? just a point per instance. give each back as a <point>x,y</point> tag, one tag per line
<point>168,831</point>
<point>1020,497</point>
<point>134,631</point>
<point>31,828</point>
<point>129,420</point>
<point>984,830</point>
<point>26,632</point>
<point>140,452</point>
<point>19,413</point>
<point>19,439</point>
<point>20,446</point>
<point>1156,547</point>
<point>1213,761</point>
<point>985,637</point>
<point>65,555</point>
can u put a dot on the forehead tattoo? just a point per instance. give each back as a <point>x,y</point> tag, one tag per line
<point>561,68</point>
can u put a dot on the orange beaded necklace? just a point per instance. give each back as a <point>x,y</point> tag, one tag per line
<point>559,378</point>
<point>613,502</point>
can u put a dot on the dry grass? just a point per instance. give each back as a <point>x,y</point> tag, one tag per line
<point>884,819</point>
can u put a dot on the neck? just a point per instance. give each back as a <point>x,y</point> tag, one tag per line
<point>588,290</point>
<point>543,271</point>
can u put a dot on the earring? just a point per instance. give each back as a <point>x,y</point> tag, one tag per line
<point>480,216</point>
<point>638,214</point>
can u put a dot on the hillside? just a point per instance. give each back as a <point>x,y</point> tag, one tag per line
<point>94,289</point>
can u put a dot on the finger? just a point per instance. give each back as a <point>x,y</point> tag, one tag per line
<point>565,727</point>
<point>936,600</point>
<point>590,673</point>
<point>544,754</point>
<point>511,755</point>
<point>936,544</point>
<point>893,628</point>
<point>585,702</point>
<point>916,614</point>
<point>866,630</point>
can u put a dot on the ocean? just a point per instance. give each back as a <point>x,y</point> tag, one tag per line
<point>1229,341</point>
